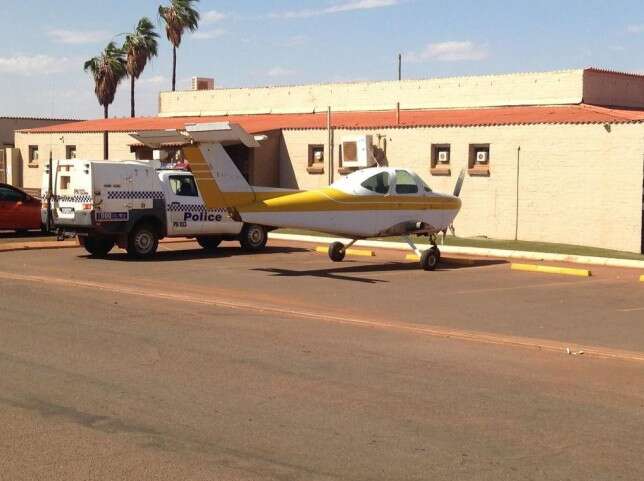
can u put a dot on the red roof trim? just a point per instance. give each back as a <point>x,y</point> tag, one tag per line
<point>564,114</point>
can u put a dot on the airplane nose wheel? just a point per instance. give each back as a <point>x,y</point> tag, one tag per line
<point>430,259</point>
<point>337,251</point>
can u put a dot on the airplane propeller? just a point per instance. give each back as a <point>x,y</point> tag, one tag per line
<point>459,184</point>
<point>457,192</point>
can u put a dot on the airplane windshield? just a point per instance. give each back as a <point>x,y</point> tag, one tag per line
<point>378,183</point>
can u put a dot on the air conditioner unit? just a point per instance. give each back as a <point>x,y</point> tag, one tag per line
<point>482,156</point>
<point>358,153</point>
<point>443,157</point>
<point>203,83</point>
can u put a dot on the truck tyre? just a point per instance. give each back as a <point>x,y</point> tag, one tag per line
<point>253,237</point>
<point>97,246</point>
<point>143,242</point>
<point>209,243</point>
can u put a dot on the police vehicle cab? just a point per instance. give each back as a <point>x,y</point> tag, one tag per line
<point>133,205</point>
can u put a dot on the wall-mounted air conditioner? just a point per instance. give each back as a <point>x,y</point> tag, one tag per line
<point>482,156</point>
<point>358,153</point>
<point>443,157</point>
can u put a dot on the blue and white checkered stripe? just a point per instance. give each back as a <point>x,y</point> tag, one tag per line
<point>175,207</point>
<point>127,194</point>
<point>81,199</point>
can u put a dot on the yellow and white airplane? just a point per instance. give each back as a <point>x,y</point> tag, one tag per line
<point>374,202</point>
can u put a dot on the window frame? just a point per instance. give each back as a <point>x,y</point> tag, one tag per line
<point>69,149</point>
<point>33,160</point>
<point>312,166</point>
<point>436,167</point>
<point>475,169</point>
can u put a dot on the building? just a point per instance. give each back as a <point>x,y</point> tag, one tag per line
<point>552,157</point>
<point>10,162</point>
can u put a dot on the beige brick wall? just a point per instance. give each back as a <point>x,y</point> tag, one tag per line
<point>579,184</point>
<point>564,87</point>
<point>9,125</point>
<point>88,146</point>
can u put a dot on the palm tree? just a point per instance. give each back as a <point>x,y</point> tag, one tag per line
<point>139,47</point>
<point>178,16</point>
<point>107,69</point>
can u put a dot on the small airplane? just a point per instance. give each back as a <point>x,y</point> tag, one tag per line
<point>373,202</point>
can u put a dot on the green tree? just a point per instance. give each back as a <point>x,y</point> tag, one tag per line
<point>139,47</point>
<point>108,70</point>
<point>179,16</point>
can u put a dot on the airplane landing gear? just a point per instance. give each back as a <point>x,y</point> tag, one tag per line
<point>430,258</point>
<point>337,250</point>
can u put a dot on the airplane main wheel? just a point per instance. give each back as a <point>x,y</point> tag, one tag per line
<point>430,258</point>
<point>437,251</point>
<point>337,252</point>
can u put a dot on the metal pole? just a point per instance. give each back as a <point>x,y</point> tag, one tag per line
<point>49,192</point>
<point>330,144</point>
<point>400,66</point>
<point>516,226</point>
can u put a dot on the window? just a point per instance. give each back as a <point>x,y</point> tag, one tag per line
<point>184,186</point>
<point>441,158</point>
<point>10,195</point>
<point>33,155</point>
<point>316,159</point>
<point>70,152</point>
<point>479,161</point>
<point>65,180</point>
<point>377,183</point>
<point>405,183</point>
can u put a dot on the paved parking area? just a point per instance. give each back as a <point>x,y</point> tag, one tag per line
<point>282,365</point>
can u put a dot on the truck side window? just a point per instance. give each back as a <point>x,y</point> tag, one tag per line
<point>184,186</point>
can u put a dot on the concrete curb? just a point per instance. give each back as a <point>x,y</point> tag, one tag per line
<point>566,271</point>
<point>476,251</point>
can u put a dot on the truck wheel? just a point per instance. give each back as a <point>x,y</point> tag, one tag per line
<point>143,242</point>
<point>209,243</point>
<point>97,246</point>
<point>253,237</point>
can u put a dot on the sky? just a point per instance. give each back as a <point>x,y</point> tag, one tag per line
<point>44,43</point>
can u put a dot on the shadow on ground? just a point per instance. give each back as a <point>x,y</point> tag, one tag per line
<point>340,273</point>
<point>198,253</point>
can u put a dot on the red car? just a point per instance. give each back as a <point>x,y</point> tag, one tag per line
<point>18,210</point>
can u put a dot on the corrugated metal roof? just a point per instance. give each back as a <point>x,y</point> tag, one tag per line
<point>566,114</point>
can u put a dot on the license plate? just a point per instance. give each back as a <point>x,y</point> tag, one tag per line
<point>112,216</point>
<point>67,210</point>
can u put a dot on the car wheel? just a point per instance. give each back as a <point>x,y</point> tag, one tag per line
<point>97,246</point>
<point>209,243</point>
<point>253,237</point>
<point>143,242</point>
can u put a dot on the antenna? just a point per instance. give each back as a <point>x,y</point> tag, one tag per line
<point>400,66</point>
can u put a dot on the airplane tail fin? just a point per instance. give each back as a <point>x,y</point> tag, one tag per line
<point>220,182</point>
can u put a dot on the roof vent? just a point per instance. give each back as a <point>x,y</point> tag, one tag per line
<point>203,83</point>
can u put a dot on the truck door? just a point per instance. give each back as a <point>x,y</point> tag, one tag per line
<point>184,205</point>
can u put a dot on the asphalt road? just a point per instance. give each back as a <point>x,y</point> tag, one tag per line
<point>282,366</point>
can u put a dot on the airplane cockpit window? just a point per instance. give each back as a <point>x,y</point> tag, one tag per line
<point>378,183</point>
<point>405,183</point>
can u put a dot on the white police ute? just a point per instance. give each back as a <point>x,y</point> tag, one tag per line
<point>133,205</point>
